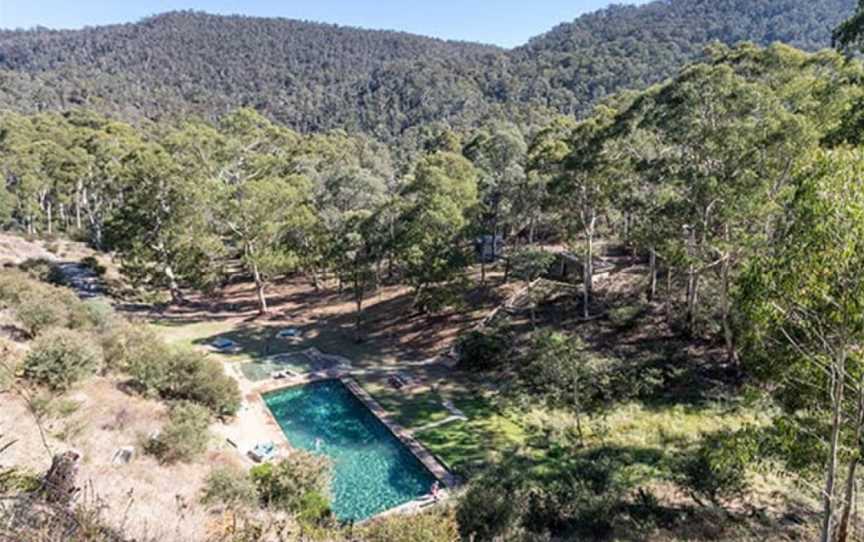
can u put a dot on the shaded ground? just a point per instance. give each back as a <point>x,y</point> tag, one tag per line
<point>393,332</point>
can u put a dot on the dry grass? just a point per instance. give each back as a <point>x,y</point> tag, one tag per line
<point>159,501</point>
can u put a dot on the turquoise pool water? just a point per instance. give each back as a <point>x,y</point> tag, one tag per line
<point>372,470</point>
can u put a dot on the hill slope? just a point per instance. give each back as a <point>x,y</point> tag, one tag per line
<point>314,77</point>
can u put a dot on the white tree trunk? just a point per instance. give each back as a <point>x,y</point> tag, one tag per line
<point>652,263</point>
<point>837,384</point>
<point>588,264</point>
<point>259,289</point>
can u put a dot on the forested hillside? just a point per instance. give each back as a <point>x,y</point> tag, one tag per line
<point>316,77</point>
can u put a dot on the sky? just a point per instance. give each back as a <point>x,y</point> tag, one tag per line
<point>502,22</point>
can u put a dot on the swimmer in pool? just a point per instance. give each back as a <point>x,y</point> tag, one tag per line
<point>435,491</point>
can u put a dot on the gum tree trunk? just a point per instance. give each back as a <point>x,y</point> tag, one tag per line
<point>837,381</point>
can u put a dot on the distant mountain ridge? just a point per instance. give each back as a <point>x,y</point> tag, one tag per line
<point>390,85</point>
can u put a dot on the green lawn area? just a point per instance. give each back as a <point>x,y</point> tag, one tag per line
<point>411,411</point>
<point>466,446</point>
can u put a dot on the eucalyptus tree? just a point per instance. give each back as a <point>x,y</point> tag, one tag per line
<point>150,231</point>
<point>729,146</point>
<point>264,206</point>
<point>21,148</point>
<point>430,237</point>
<point>500,158</point>
<point>803,324</point>
<point>583,187</point>
<point>350,175</point>
<point>105,144</point>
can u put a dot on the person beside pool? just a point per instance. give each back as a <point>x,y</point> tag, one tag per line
<point>436,490</point>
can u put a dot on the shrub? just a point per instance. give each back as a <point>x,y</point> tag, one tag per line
<point>178,373</point>
<point>132,349</point>
<point>229,486</point>
<point>483,349</point>
<point>12,284</point>
<point>193,376</point>
<point>41,306</point>
<point>487,512</point>
<point>626,317</point>
<point>99,314</point>
<point>42,269</point>
<point>15,480</point>
<point>717,469</point>
<point>36,312</point>
<point>185,435</point>
<point>436,526</point>
<point>91,263</point>
<point>61,357</point>
<point>285,485</point>
<point>314,508</point>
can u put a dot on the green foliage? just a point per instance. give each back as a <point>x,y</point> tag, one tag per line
<point>99,315</point>
<point>529,264</point>
<point>91,263</point>
<point>174,373</point>
<point>435,526</point>
<point>230,487</point>
<point>295,483</point>
<point>484,349</point>
<point>626,317</point>
<point>316,77</point>
<point>562,369</point>
<point>193,376</point>
<point>42,269</point>
<point>15,481</point>
<point>432,228</point>
<point>513,501</point>
<point>718,469</point>
<point>184,437</point>
<point>59,358</point>
<point>38,312</point>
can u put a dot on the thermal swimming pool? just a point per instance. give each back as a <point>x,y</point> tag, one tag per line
<point>372,470</point>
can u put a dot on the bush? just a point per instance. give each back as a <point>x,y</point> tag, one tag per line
<point>626,317</point>
<point>229,486</point>
<point>42,269</point>
<point>39,306</point>
<point>178,373</point>
<point>185,435</point>
<point>717,469</point>
<point>487,512</point>
<point>286,485</point>
<point>36,311</point>
<point>12,284</point>
<point>91,263</point>
<point>436,526</point>
<point>193,376</point>
<point>314,508</point>
<point>59,358</point>
<point>132,348</point>
<point>14,481</point>
<point>99,314</point>
<point>484,349</point>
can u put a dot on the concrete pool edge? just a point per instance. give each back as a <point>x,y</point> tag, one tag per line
<point>431,463</point>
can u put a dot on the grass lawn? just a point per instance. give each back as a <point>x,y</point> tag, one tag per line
<point>467,446</point>
<point>411,410</point>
